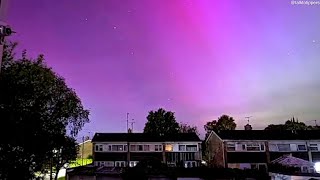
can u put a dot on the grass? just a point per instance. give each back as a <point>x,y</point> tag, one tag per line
<point>62,178</point>
<point>78,162</point>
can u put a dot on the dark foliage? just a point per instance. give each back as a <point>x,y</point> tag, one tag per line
<point>161,122</point>
<point>38,110</point>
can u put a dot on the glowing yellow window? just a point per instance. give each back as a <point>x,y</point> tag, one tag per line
<point>169,147</point>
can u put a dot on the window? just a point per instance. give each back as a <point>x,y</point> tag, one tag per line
<point>262,167</point>
<point>283,147</point>
<point>146,148</point>
<point>102,163</point>
<point>253,166</point>
<point>133,148</point>
<point>253,147</point>
<point>133,163</point>
<point>305,169</point>
<point>302,147</point>
<point>125,148</point>
<point>139,148</point>
<point>109,148</point>
<point>120,164</point>
<point>261,147</point>
<point>109,164</point>
<point>99,147</point>
<point>182,147</point>
<point>243,147</point>
<point>273,147</point>
<point>158,147</point>
<point>231,147</point>
<point>169,147</point>
<point>313,147</point>
<point>117,148</point>
<point>191,147</point>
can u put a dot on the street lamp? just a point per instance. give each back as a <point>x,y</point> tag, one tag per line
<point>55,154</point>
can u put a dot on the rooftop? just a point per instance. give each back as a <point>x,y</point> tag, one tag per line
<point>269,135</point>
<point>143,137</point>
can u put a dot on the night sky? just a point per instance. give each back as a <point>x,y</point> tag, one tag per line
<point>198,58</point>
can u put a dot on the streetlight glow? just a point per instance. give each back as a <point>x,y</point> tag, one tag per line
<point>317,167</point>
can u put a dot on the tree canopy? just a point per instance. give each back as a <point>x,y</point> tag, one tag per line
<point>161,122</point>
<point>39,110</point>
<point>185,128</point>
<point>291,124</point>
<point>224,122</point>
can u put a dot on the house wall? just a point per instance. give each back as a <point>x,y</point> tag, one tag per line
<point>86,148</point>
<point>134,152</point>
<point>214,154</point>
<point>237,152</point>
<point>310,153</point>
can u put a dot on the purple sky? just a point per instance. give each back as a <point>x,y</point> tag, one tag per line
<point>198,58</point>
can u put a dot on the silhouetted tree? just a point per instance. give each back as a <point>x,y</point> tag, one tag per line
<point>67,153</point>
<point>161,122</point>
<point>224,122</point>
<point>291,124</point>
<point>185,128</point>
<point>39,109</point>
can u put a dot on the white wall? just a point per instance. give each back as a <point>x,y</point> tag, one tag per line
<point>176,146</point>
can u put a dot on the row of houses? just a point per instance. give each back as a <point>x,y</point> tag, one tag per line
<point>127,149</point>
<point>255,149</point>
<point>243,149</point>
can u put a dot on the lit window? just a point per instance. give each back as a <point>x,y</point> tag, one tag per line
<point>169,147</point>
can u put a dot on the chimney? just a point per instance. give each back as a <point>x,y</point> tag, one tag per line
<point>129,130</point>
<point>247,127</point>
